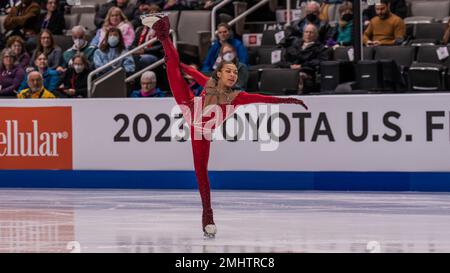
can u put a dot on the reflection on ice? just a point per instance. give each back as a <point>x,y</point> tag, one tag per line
<point>153,221</point>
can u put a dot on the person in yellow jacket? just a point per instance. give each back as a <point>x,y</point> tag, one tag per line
<point>36,90</point>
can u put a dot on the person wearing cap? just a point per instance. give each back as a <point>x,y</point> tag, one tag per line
<point>386,28</point>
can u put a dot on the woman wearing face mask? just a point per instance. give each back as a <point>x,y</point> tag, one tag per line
<point>75,80</point>
<point>50,76</point>
<point>228,54</point>
<point>112,47</point>
<point>115,19</point>
<point>312,16</point>
<point>343,32</point>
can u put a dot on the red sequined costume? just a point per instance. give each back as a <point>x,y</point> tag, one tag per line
<point>184,96</point>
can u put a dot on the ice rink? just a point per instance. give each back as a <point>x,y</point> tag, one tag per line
<point>248,221</point>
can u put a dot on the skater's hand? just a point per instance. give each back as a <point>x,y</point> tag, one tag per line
<point>297,101</point>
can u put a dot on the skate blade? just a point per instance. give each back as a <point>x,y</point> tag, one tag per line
<point>157,15</point>
<point>208,236</point>
<point>210,231</point>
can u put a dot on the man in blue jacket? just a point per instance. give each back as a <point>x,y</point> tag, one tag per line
<point>224,36</point>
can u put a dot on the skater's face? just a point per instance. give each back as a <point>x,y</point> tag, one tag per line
<point>223,33</point>
<point>228,75</point>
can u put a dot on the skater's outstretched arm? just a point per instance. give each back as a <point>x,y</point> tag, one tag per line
<point>246,98</point>
<point>194,73</point>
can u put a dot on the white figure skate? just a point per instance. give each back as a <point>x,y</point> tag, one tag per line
<point>151,18</point>
<point>210,231</point>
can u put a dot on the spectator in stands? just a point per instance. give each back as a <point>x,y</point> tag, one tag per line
<point>148,87</point>
<point>398,7</point>
<point>11,74</point>
<point>224,36</point>
<point>228,53</point>
<point>46,44</point>
<point>327,9</point>
<point>386,28</point>
<point>126,8</point>
<point>80,45</point>
<point>53,19</point>
<point>174,5</point>
<point>150,53</point>
<point>50,76</point>
<point>36,89</point>
<point>74,84</point>
<point>23,19</point>
<point>159,3</point>
<point>17,44</point>
<point>343,32</point>
<point>112,47</point>
<point>312,11</point>
<point>306,54</point>
<point>115,19</point>
<point>144,7</point>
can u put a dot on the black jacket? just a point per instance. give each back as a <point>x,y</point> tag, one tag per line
<point>309,58</point>
<point>56,23</point>
<point>295,30</point>
<point>79,81</point>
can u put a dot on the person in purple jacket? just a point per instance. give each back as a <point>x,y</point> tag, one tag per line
<point>17,44</point>
<point>11,74</point>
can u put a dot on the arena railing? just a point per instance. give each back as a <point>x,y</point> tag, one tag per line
<point>213,17</point>
<point>237,18</point>
<point>121,57</point>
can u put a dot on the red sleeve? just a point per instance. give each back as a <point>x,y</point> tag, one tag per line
<point>246,98</point>
<point>198,76</point>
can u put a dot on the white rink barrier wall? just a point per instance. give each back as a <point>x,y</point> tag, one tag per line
<point>353,142</point>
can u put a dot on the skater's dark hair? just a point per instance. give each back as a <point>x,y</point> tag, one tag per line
<point>219,68</point>
<point>211,84</point>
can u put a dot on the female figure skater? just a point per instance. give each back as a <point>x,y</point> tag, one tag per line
<point>217,92</point>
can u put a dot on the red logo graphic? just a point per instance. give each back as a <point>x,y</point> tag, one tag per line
<point>35,138</point>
